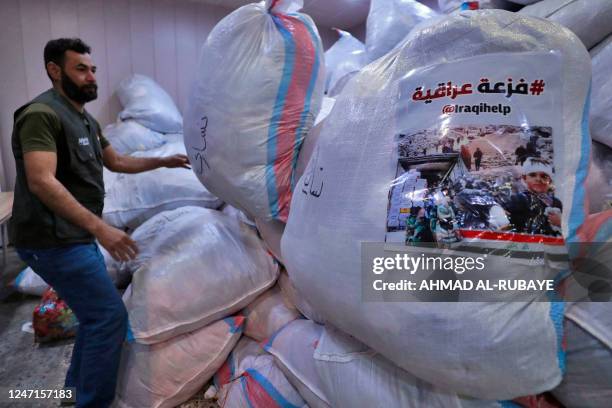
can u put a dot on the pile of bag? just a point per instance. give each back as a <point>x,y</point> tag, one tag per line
<point>259,87</point>
<point>196,268</point>
<point>457,347</point>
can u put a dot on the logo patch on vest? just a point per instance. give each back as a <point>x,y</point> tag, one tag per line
<point>83,141</point>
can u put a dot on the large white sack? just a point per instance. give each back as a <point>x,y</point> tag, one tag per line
<point>148,104</point>
<point>250,379</point>
<point>194,266</point>
<point>259,87</point>
<point>345,56</point>
<point>458,346</point>
<point>587,382</point>
<point>588,19</point>
<point>169,373</point>
<point>268,313</point>
<point>353,375</point>
<point>293,347</point>
<point>599,182</point>
<point>131,199</point>
<point>389,21</point>
<point>453,6</point>
<point>129,136</point>
<point>296,299</point>
<point>601,92</point>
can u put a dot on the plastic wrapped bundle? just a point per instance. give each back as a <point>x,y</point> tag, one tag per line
<point>347,55</point>
<point>250,379</point>
<point>129,136</point>
<point>501,104</point>
<point>345,365</point>
<point>389,21</point>
<point>195,266</point>
<point>259,87</point>
<point>131,199</point>
<point>144,101</point>
<point>167,374</point>
<point>601,93</point>
<point>588,19</point>
<point>268,313</point>
<point>293,347</point>
<point>588,380</point>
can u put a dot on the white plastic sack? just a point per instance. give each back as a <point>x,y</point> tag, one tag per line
<point>452,6</point>
<point>293,348</point>
<point>255,382</point>
<point>30,283</point>
<point>268,313</point>
<point>353,375</point>
<point>389,21</point>
<point>588,378</point>
<point>588,19</point>
<point>347,55</point>
<point>148,104</point>
<point>458,346</point>
<point>294,298</point>
<point>195,266</point>
<point>271,232</point>
<point>259,87</point>
<point>169,373</point>
<point>129,136</point>
<point>601,92</point>
<point>131,199</point>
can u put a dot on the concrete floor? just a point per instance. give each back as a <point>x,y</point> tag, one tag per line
<point>26,364</point>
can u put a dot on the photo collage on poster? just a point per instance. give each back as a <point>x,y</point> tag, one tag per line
<point>453,182</point>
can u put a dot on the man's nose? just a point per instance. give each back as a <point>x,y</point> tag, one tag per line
<point>91,77</point>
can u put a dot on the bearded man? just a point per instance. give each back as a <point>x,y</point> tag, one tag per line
<point>59,154</point>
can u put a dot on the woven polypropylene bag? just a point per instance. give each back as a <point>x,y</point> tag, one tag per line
<point>259,87</point>
<point>194,266</point>
<point>457,346</point>
<point>601,96</point>
<point>167,374</point>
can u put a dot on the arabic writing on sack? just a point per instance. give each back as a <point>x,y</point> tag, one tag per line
<point>199,156</point>
<point>485,86</point>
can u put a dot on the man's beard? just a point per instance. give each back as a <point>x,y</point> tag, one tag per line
<point>83,94</point>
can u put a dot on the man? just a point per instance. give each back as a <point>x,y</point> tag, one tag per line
<point>59,194</point>
<point>477,158</point>
<point>536,210</point>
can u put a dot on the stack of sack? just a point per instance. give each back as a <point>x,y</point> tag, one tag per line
<point>196,270</point>
<point>150,125</point>
<point>455,347</point>
<point>259,88</point>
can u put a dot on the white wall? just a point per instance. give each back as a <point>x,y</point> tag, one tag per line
<point>159,38</point>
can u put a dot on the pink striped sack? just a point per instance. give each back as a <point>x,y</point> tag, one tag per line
<point>259,87</point>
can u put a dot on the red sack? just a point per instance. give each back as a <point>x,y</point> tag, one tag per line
<point>52,319</point>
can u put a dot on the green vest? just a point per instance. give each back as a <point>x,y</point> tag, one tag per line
<point>79,169</point>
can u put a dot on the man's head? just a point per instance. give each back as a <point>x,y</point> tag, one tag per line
<point>69,66</point>
<point>537,175</point>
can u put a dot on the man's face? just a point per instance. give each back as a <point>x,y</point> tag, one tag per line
<point>538,181</point>
<point>78,77</point>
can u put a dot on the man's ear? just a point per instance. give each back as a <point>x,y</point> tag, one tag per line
<point>54,70</point>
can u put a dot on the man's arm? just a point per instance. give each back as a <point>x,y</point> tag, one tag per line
<point>127,164</point>
<point>40,167</point>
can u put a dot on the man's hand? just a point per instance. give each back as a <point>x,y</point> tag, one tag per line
<point>116,242</point>
<point>177,160</point>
